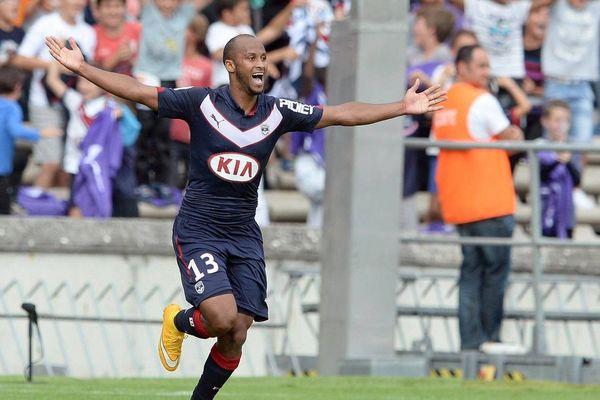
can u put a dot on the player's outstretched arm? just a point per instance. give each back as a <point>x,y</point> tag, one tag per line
<point>351,114</point>
<point>118,84</point>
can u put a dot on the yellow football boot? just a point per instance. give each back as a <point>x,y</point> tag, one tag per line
<point>171,339</point>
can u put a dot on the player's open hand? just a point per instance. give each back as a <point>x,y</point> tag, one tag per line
<point>71,58</point>
<point>427,101</point>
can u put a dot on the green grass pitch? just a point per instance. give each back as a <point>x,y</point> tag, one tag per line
<point>319,388</point>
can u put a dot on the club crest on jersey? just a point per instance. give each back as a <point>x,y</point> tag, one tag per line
<point>233,167</point>
<point>264,129</point>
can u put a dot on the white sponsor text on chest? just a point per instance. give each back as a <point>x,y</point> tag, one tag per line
<point>296,107</point>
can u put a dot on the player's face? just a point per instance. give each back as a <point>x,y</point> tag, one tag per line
<point>111,13</point>
<point>478,70</point>
<point>251,67</point>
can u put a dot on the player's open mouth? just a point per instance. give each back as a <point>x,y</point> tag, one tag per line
<point>257,77</point>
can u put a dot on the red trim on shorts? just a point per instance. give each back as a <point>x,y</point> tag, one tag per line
<point>180,256</point>
<point>199,324</point>
<point>228,364</point>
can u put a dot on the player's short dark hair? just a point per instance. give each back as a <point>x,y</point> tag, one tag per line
<point>232,46</point>
<point>554,104</point>
<point>465,54</point>
<point>98,2</point>
<point>222,5</point>
<point>440,19</point>
<point>10,78</point>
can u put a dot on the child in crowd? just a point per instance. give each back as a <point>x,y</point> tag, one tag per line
<point>234,19</point>
<point>498,25</point>
<point>559,174</point>
<point>570,63</point>
<point>84,104</point>
<point>11,128</point>
<point>309,148</point>
<point>197,71</point>
<point>33,56</point>
<point>118,39</point>
<point>159,63</point>
<point>431,29</point>
<point>534,33</point>
<point>445,74</point>
<point>10,35</point>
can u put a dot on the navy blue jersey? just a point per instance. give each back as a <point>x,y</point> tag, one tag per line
<point>229,149</point>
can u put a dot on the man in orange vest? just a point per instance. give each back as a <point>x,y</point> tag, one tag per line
<point>477,194</point>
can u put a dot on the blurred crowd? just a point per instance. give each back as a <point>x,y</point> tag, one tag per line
<point>544,69</point>
<point>167,43</point>
<point>541,64</point>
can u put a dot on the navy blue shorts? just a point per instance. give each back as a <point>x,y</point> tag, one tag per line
<point>217,259</point>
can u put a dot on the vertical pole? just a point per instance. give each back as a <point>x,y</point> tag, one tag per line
<point>539,331</point>
<point>30,372</point>
<point>361,222</point>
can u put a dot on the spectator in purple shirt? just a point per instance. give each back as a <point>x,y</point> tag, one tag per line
<point>559,174</point>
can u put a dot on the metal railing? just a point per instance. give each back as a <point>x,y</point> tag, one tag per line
<point>85,325</point>
<point>536,241</point>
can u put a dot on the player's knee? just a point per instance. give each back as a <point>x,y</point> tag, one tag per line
<point>238,336</point>
<point>223,323</point>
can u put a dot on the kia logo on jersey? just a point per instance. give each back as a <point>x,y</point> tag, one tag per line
<point>234,167</point>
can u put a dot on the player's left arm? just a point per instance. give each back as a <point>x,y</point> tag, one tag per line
<point>120,85</point>
<point>354,113</point>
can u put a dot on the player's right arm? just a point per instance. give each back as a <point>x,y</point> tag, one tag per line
<point>120,85</point>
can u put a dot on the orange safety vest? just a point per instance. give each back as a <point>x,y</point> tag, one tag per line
<point>473,185</point>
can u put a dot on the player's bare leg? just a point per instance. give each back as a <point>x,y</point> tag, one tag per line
<point>215,317</point>
<point>223,359</point>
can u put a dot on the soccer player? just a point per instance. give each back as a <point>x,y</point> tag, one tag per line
<point>217,243</point>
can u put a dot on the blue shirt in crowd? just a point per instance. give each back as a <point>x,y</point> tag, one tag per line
<point>12,128</point>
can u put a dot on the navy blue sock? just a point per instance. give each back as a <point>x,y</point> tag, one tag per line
<point>217,370</point>
<point>190,321</point>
